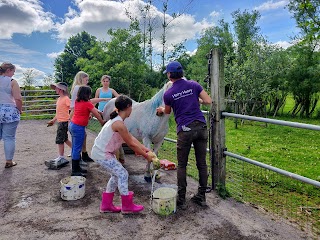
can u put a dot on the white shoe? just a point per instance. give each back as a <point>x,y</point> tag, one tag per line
<point>56,163</point>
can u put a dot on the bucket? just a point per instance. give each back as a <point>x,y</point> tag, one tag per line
<point>164,201</point>
<point>72,188</point>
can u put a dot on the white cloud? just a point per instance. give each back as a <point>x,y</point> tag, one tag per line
<point>215,14</point>
<point>271,5</point>
<point>283,44</point>
<point>23,16</point>
<point>97,16</point>
<point>54,55</point>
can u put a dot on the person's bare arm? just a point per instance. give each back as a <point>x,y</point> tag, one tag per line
<point>97,93</point>
<point>205,99</point>
<point>130,140</point>
<point>94,101</point>
<point>16,93</point>
<point>97,114</point>
<point>114,93</point>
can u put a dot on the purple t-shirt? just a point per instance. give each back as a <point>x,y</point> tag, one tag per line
<point>183,98</point>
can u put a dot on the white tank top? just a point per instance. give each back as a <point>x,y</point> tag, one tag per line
<point>6,91</point>
<point>107,142</point>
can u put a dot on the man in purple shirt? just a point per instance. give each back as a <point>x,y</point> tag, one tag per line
<point>184,98</point>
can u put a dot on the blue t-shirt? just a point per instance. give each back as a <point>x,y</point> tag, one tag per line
<point>183,98</point>
<point>103,94</point>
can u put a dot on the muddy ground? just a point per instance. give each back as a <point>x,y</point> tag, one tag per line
<point>31,206</point>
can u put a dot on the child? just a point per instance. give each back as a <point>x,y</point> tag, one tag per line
<point>82,79</point>
<point>108,141</point>
<point>105,92</point>
<point>62,116</point>
<point>80,118</point>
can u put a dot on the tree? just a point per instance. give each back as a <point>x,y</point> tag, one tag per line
<point>304,80</point>
<point>28,78</point>
<point>48,79</point>
<point>122,59</point>
<point>307,15</point>
<point>76,47</point>
<point>214,37</point>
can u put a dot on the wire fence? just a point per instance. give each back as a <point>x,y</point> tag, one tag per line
<point>272,193</point>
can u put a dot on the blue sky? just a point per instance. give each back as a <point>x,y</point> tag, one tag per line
<point>34,32</point>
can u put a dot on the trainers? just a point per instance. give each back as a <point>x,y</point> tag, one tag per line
<point>56,163</point>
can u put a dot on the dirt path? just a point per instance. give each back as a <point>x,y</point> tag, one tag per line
<point>31,206</point>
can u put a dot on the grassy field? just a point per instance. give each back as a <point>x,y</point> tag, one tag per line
<point>291,149</point>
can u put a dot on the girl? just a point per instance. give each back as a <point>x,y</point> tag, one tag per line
<point>108,141</point>
<point>62,116</point>
<point>82,79</point>
<point>80,118</point>
<point>105,92</point>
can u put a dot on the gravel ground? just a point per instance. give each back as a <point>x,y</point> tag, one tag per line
<point>31,206</point>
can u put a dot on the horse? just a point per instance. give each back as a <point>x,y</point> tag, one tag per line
<point>143,123</point>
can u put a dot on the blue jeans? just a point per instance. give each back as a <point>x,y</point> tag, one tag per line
<point>8,134</point>
<point>77,134</point>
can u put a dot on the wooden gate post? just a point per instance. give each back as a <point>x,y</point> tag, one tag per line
<point>218,124</point>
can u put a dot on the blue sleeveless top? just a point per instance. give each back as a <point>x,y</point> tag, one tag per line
<point>103,94</point>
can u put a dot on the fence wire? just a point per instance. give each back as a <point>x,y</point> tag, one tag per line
<point>272,193</point>
<point>278,195</point>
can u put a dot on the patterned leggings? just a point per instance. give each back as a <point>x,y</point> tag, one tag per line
<point>119,176</point>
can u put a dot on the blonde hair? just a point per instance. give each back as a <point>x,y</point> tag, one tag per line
<point>5,66</point>
<point>78,79</point>
<point>105,76</point>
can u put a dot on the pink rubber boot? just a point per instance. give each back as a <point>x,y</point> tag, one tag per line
<point>128,206</point>
<point>107,203</point>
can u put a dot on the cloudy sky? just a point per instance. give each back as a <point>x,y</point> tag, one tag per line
<point>34,32</point>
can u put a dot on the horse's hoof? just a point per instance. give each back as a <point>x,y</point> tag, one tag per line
<point>147,179</point>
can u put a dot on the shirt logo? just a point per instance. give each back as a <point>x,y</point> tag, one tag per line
<point>182,94</point>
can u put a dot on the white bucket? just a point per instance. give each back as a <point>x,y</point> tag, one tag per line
<point>72,188</point>
<point>164,201</point>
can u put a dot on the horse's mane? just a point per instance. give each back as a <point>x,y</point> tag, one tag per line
<point>157,99</point>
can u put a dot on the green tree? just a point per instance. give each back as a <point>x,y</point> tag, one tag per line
<point>304,80</point>
<point>214,37</point>
<point>76,48</point>
<point>307,15</point>
<point>122,59</point>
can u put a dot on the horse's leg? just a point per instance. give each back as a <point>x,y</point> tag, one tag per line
<point>147,174</point>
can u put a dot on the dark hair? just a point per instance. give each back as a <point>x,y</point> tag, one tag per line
<point>84,93</point>
<point>176,75</point>
<point>122,103</point>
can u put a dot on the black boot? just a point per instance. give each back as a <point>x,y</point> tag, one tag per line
<point>76,169</point>
<point>85,157</point>
<point>200,197</point>
<point>181,201</point>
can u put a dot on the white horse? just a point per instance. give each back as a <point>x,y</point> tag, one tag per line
<point>143,122</point>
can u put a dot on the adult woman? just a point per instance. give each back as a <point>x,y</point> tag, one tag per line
<point>105,91</point>
<point>10,110</point>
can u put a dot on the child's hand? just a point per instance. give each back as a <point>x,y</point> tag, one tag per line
<point>50,123</point>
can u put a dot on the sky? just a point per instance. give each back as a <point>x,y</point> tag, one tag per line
<point>34,32</point>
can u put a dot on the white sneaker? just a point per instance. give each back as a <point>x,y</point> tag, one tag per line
<point>56,163</point>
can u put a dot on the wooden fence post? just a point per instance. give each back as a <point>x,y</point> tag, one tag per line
<point>218,124</point>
